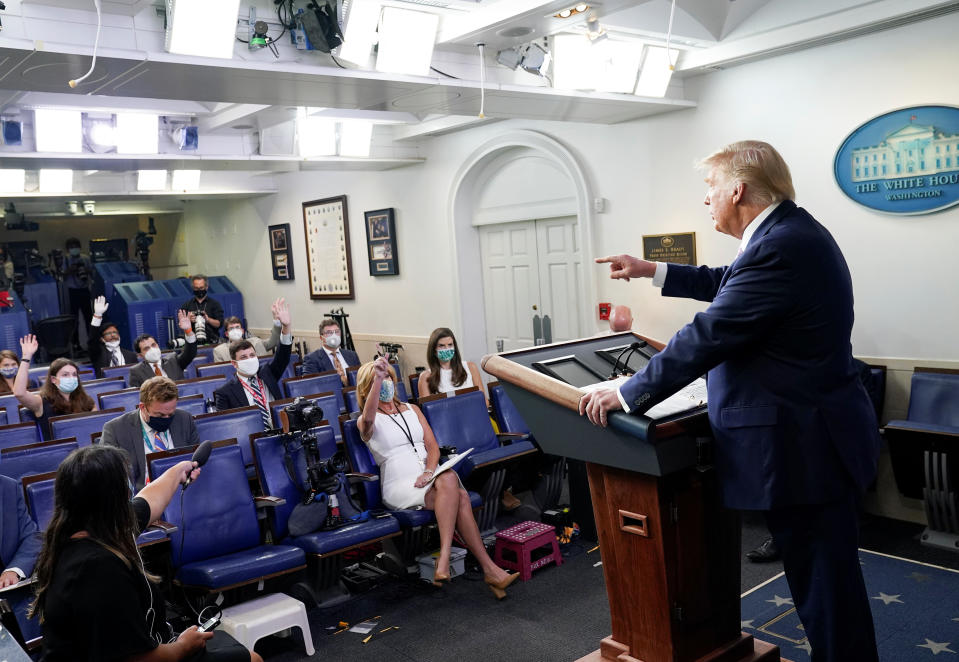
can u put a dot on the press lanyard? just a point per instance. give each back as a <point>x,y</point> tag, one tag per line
<point>146,437</point>
<point>407,432</point>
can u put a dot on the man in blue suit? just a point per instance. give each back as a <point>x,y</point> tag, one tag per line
<point>795,433</point>
<point>19,546</point>
<point>330,356</point>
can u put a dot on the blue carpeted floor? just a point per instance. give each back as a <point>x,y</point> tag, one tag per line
<point>915,607</point>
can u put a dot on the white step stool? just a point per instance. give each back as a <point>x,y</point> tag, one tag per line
<point>251,621</point>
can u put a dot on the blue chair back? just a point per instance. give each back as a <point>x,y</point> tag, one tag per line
<point>505,412</point>
<point>358,453</point>
<point>119,371</point>
<point>401,392</point>
<point>415,385</point>
<point>225,369</point>
<point>202,385</point>
<point>204,353</point>
<point>274,477</point>
<point>350,400</point>
<point>324,382</point>
<point>220,517</point>
<point>3,417</point>
<point>97,386</point>
<point>39,493</point>
<point>934,398</point>
<point>195,404</point>
<point>351,374</point>
<point>238,424</point>
<point>39,458</point>
<point>11,406</point>
<point>126,399</point>
<point>461,421</point>
<point>82,426</point>
<point>19,434</point>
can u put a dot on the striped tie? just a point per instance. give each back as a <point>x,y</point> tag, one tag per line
<point>158,443</point>
<point>261,403</point>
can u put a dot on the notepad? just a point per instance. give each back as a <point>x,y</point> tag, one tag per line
<point>450,463</point>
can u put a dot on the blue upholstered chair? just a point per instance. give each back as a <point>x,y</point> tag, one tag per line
<point>321,382</point>
<point>327,402</point>
<point>19,434</point>
<point>10,405</point>
<point>126,399</point>
<point>224,369</point>
<point>350,400</point>
<point>21,461</point>
<point>82,425</point>
<point>237,424</point>
<point>95,387</point>
<point>217,543</point>
<point>119,371</point>
<point>195,404</point>
<point>203,385</point>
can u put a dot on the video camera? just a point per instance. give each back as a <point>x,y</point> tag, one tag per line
<point>304,415</point>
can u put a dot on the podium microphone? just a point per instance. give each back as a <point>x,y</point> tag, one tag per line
<point>634,346</point>
<point>200,456</point>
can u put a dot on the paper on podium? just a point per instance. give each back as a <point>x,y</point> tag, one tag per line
<point>688,397</point>
<point>450,463</point>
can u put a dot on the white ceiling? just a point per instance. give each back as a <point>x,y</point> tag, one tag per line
<point>45,43</point>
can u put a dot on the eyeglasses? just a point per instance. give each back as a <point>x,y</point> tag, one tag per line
<point>331,333</point>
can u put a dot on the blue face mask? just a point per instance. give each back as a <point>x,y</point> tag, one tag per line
<point>9,373</point>
<point>386,390</point>
<point>74,252</point>
<point>67,385</point>
<point>445,355</point>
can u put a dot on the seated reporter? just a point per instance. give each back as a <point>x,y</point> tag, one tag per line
<point>405,449</point>
<point>61,394</point>
<point>19,535</point>
<point>253,384</point>
<point>235,333</point>
<point>154,365</point>
<point>330,356</point>
<point>103,344</point>
<point>9,365</point>
<point>95,600</point>
<point>447,370</point>
<point>155,425</point>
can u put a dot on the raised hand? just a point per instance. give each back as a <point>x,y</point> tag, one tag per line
<point>100,306</point>
<point>28,347</point>
<point>184,322</point>
<point>381,367</point>
<point>282,311</point>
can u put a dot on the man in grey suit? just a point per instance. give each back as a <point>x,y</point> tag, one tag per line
<point>153,364</point>
<point>155,425</point>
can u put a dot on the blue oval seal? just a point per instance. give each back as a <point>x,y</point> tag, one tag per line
<point>903,162</point>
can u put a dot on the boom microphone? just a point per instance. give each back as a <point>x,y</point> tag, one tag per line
<point>632,347</point>
<point>200,456</point>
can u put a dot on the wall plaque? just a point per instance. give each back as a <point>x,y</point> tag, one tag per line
<point>679,248</point>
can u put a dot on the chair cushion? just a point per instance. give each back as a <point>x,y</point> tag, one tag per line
<point>410,518</point>
<point>500,454</point>
<point>922,427</point>
<point>325,542</point>
<point>241,566</point>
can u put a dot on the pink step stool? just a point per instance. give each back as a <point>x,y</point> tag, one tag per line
<point>522,539</point>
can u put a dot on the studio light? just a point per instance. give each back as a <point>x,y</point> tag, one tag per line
<point>102,133</point>
<point>137,133</point>
<point>360,32</point>
<point>151,180</point>
<point>594,31</point>
<point>355,138</point>
<point>406,41</point>
<point>315,136</point>
<point>12,132</point>
<point>56,181</point>
<point>13,180</point>
<point>656,72</point>
<point>186,180</point>
<point>58,130</point>
<point>206,28</point>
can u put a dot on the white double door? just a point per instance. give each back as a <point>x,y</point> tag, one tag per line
<point>531,268</point>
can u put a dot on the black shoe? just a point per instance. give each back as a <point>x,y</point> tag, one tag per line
<point>765,553</point>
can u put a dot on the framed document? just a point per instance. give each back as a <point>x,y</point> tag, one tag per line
<point>281,252</point>
<point>381,242</point>
<point>327,230</point>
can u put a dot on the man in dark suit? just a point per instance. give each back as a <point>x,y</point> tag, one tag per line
<point>154,365</point>
<point>330,356</point>
<point>20,544</point>
<point>253,384</point>
<point>103,344</point>
<point>155,425</point>
<point>795,434</point>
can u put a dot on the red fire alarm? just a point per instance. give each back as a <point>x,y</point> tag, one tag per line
<point>604,309</point>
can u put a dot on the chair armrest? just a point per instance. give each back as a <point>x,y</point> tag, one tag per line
<point>166,527</point>
<point>509,437</point>
<point>361,477</point>
<point>268,501</point>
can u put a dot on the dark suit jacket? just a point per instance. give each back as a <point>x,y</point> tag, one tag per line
<point>173,366</point>
<point>100,356</point>
<point>19,536</point>
<point>232,394</point>
<point>126,432</point>
<point>792,421</point>
<point>318,361</point>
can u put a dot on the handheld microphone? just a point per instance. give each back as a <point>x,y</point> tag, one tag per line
<point>634,346</point>
<point>200,456</point>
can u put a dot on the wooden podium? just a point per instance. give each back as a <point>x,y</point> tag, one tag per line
<point>671,552</point>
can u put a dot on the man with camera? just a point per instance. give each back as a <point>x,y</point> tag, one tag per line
<point>77,272</point>
<point>153,364</point>
<point>206,314</point>
<point>253,384</point>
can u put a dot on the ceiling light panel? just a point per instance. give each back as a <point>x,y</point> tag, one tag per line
<point>151,180</point>
<point>186,180</point>
<point>56,181</point>
<point>315,136</point>
<point>206,28</point>
<point>406,41</point>
<point>656,72</point>
<point>137,133</point>
<point>58,130</point>
<point>13,180</point>
<point>355,138</point>
<point>360,33</point>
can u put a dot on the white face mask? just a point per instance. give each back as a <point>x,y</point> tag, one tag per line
<point>235,334</point>
<point>248,367</point>
<point>152,355</point>
<point>112,345</point>
<point>332,341</point>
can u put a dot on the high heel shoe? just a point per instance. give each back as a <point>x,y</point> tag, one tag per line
<point>438,577</point>
<point>499,588</point>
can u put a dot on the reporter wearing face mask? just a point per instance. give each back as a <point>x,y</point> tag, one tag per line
<point>330,356</point>
<point>235,333</point>
<point>201,305</point>
<point>153,365</point>
<point>104,341</point>
<point>9,364</point>
<point>62,393</point>
<point>253,384</point>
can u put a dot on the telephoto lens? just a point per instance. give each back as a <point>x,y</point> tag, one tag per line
<point>200,328</point>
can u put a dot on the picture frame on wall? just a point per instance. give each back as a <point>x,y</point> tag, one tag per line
<point>281,254</point>
<point>381,242</point>
<point>327,231</point>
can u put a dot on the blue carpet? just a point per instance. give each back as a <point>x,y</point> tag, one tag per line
<point>915,607</point>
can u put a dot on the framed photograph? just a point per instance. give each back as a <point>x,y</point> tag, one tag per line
<point>281,253</point>
<point>326,225</point>
<point>381,242</point>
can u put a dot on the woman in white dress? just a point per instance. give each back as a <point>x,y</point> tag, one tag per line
<point>447,370</point>
<point>403,446</point>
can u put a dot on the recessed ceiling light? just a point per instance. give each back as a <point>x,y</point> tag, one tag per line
<point>520,31</point>
<point>572,11</point>
<point>582,7</point>
<point>566,13</point>
<point>242,127</point>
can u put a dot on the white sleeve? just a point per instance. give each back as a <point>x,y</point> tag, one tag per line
<point>659,278</point>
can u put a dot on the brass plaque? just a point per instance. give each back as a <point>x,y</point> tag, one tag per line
<point>678,248</point>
